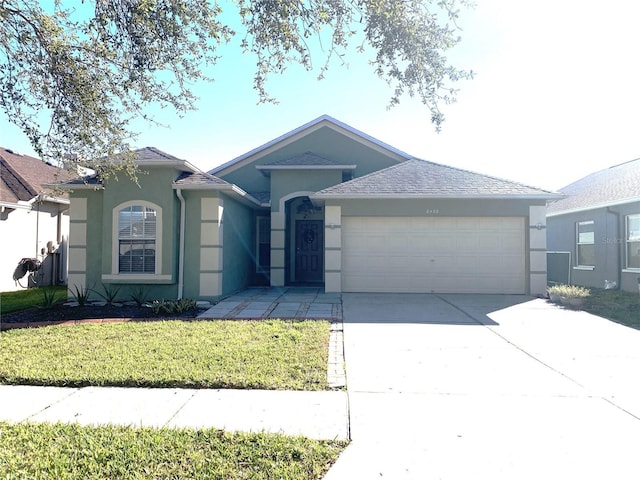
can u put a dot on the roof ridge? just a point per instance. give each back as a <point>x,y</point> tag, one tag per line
<point>623,163</point>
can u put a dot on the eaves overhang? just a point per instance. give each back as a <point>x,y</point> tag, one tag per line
<point>179,164</point>
<point>75,186</point>
<point>49,198</point>
<point>229,189</point>
<point>19,205</point>
<point>404,196</point>
<point>614,203</point>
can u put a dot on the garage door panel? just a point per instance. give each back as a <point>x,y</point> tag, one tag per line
<point>433,254</point>
<point>512,244</point>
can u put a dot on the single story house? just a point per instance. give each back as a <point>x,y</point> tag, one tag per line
<point>324,204</point>
<point>594,231</point>
<point>34,223</point>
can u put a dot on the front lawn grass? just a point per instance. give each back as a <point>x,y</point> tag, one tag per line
<point>29,298</point>
<point>617,305</point>
<point>79,452</point>
<point>268,354</point>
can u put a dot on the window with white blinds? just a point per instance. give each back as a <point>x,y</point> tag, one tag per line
<point>137,239</point>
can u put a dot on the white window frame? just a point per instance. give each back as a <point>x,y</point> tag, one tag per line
<point>262,241</point>
<point>115,245</point>
<point>581,243</point>
<point>628,240</point>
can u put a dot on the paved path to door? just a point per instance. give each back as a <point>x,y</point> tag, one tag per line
<point>278,302</point>
<point>487,387</point>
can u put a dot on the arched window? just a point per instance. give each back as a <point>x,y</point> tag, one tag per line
<point>137,227</point>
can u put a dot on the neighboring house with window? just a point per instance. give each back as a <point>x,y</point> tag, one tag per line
<point>34,224</point>
<point>597,228</point>
<point>325,205</point>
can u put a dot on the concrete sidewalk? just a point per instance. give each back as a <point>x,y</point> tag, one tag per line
<point>319,415</point>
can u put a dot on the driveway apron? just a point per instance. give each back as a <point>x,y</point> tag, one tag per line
<point>487,387</point>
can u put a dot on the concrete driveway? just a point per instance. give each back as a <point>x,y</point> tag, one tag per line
<point>487,387</point>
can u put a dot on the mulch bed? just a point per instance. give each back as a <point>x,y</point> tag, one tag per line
<point>63,314</point>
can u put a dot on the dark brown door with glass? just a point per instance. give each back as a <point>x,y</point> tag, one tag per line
<point>309,251</point>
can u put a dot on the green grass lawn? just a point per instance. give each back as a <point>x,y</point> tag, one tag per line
<point>269,354</point>
<point>620,306</point>
<point>29,298</point>
<point>77,452</point>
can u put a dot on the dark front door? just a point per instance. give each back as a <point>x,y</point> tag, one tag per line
<point>309,250</point>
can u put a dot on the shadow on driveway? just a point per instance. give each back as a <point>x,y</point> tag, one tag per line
<point>444,309</point>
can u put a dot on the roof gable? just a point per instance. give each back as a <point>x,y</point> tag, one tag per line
<point>420,178</point>
<point>324,121</point>
<point>199,179</point>
<point>614,185</point>
<point>143,157</point>
<point>152,156</point>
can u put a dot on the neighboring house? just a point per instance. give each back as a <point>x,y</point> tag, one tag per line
<point>324,204</point>
<point>598,226</point>
<point>33,223</point>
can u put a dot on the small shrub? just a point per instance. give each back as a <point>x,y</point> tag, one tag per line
<point>568,291</point>
<point>80,295</point>
<point>159,307</point>
<point>183,305</point>
<point>110,293</point>
<point>139,296</point>
<point>48,297</point>
<point>568,295</point>
<point>172,307</point>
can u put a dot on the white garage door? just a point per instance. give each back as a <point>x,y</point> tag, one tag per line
<point>433,254</point>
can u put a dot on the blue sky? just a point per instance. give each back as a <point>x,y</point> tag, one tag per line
<point>555,97</point>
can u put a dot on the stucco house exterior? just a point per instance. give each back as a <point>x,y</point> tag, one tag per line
<point>33,222</point>
<point>324,204</point>
<point>597,226</point>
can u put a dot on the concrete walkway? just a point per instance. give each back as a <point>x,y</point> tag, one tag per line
<point>319,415</point>
<point>487,387</point>
<point>278,302</point>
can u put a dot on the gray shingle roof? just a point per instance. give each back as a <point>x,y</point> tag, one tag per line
<point>206,181</point>
<point>154,154</point>
<point>419,178</point>
<point>200,178</point>
<point>614,185</point>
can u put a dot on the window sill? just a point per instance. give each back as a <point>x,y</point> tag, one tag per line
<point>631,270</point>
<point>133,278</point>
<point>580,267</point>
